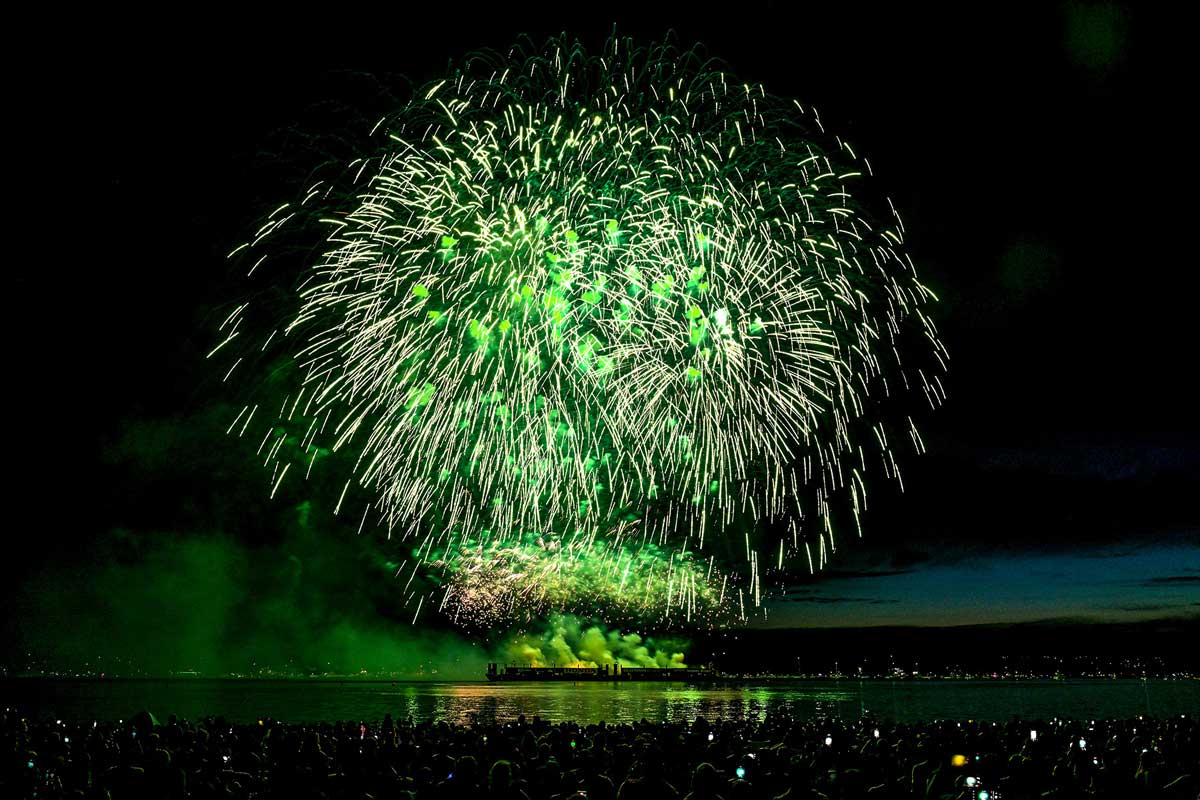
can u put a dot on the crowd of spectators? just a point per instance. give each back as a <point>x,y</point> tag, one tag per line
<point>778,757</point>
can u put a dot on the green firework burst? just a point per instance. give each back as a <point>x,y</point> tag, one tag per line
<point>584,311</point>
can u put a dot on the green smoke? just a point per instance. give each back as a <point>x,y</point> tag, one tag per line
<point>196,570</point>
<point>568,641</point>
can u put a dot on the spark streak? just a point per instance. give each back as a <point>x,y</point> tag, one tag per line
<point>580,314</point>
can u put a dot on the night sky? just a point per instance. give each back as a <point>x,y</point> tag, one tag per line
<point>1036,157</point>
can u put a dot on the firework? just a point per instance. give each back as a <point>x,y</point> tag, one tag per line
<point>502,581</point>
<point>585,312</point>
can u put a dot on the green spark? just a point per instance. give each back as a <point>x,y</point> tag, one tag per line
<point>592,394</point>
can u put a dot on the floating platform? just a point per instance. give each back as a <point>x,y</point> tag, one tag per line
<point>611,673</point>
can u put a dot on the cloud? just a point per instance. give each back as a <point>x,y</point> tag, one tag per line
<point>862,574</point>
<point>1150,607</point>
<point>1112,552</point>
<point>1116,461</point>
<point>824,600</point>
<point>815,596</point>
<point>903,559</point>
<point>1170,579</point>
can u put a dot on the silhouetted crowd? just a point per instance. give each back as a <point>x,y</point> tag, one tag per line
<point>779,757</point>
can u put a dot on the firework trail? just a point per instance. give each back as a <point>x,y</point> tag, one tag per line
<point>595,330</point>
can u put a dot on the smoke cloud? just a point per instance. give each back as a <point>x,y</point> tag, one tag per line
<point>195,568</point>
<point>567,641</point>
<point>190,566</point>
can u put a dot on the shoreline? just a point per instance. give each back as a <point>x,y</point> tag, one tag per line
<point>764,680</point>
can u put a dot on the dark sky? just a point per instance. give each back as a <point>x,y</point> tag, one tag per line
<point>1036,155</point>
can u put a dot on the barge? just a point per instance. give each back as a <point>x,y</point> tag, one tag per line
<point>611,673</point>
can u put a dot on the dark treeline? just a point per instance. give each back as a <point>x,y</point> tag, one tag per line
<point>1158,648</point>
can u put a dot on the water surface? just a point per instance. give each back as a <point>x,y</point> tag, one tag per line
<point>461,702</point>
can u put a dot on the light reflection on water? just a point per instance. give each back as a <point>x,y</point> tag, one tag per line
<point>594,702</point>
<point>245,700</point>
